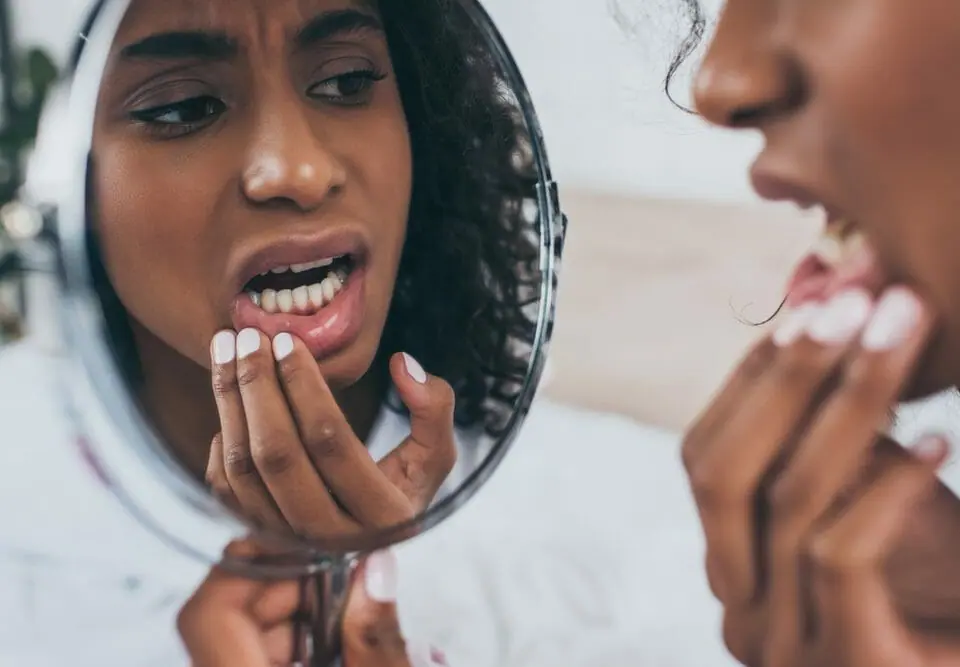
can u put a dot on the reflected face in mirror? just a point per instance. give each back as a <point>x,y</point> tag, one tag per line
<point>234,141</point>
<point>356,175</point>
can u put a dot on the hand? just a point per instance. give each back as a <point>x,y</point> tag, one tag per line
<point>286,455</point>
<point>803,506</point>
<point>232,621</point>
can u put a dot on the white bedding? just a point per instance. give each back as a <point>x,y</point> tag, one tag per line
<point>583,550</point>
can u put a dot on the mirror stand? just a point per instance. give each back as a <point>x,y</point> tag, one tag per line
<point>316,630</point>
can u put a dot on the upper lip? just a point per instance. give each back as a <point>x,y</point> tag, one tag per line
<point>295,248</point>
<point>774,187</point>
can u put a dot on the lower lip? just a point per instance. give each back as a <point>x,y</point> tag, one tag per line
<point>813,281</point>
<point>326,332</point>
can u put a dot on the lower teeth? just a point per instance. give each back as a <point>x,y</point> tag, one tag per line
<point>305,299</point>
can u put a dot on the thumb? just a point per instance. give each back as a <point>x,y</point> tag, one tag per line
<point>421,463</point>
<point>371,628</point>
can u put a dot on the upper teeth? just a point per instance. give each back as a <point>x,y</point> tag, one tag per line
<point>839,241</point>
<point>300,268</point>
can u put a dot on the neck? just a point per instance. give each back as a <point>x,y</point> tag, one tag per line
<point>177,397</point>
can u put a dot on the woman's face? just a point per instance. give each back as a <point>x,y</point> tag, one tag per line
<point>253,168</point>
<point>858,102</point>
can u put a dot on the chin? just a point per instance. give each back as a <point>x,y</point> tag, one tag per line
<point>346,368</point>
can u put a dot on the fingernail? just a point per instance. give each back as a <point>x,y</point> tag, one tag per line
<point>930,449</point>
<point>380,577</point>
<point>897,314</point>
<point>842,318</point>
<point>282,346</point>
<point>224,347</point>
<point>422,654</point>
<point>795,324</point>
<point>414,369</point>
<point>248,342</point>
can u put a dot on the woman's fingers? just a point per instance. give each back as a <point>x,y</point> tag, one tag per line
<point>855,614</point>
<point>728,469</point>
<point>279,461</point>
<point>832,455</point>
<point>233,474</point>
<point>419,466</point>
<point>330,443</point>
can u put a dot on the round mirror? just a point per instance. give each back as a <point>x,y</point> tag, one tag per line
<point>306,254</point>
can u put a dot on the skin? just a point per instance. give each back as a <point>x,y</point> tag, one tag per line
<point>290,135</point>
<point>827,543</point>
<point>235,622</point>
<point>283,142</point>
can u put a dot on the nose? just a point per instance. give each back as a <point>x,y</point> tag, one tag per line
<point>288,162</point>
<point>746,79</point>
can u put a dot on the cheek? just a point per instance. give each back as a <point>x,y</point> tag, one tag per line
<point>150,248</point>
<point>890,108</point>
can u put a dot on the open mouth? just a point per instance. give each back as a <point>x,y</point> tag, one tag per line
<point>841,258</point>
<point>301,289</point>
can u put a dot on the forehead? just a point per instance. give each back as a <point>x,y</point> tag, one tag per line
<point>242,19</point>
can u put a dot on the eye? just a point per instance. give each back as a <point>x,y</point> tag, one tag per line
<point>348,88</point>
<point>181,117</point>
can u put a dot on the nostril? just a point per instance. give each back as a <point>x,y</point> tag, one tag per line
<point>746,117</point>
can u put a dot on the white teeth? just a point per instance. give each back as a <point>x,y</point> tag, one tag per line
<point>320,263</point>
<point>285,300</point>
<point>838,243</point>
<point>316,295</point>
<point>328,290</point>
<point>268,301</point>
<point>829,250</point>
<point>301,299</point>
<point>279,269</point>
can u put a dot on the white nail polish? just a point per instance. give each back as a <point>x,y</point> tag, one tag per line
<point>414,369</point>
<point>895,317</point>
<point>423,654</point>
<point>248,342</point>
<point>224,347</point>
<point>930,448</point>
<point>842,318</point>
<point>282,346</point>
<point>380,579</point>
<point>794,324</point>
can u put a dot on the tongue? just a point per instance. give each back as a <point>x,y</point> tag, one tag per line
<point>814,280</point>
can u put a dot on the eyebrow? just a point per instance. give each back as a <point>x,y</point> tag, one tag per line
<point>216,46</point>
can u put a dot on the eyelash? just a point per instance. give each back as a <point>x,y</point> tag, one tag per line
<point>211,108</point>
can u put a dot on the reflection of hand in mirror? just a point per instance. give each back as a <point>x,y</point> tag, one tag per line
<point>359,181</point>
<point>231,621</point>
<point>287,457</point>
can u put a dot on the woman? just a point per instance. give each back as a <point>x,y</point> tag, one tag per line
<point>232,143</point>
<point>826,542</point>
<point>345,187</point>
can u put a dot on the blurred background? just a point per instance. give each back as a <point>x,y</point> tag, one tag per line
<point>669,254</point>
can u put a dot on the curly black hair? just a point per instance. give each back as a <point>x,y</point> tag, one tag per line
<point>469,283</point>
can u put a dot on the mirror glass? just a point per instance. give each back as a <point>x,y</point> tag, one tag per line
<point>309,258</point>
